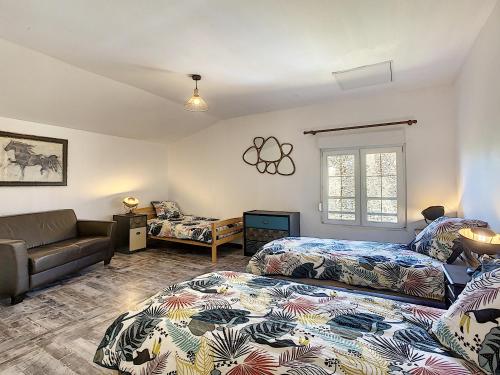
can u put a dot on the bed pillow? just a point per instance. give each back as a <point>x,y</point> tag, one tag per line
<point>471,326</point>
<point>166,210</point>
<point>436,240</point>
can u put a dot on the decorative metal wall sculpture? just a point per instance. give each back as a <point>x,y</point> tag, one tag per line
<point>269,156</point>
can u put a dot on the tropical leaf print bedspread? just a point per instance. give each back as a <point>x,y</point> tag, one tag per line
<point>371,264</point>
<point>242,324</point>
<point>186,227</point>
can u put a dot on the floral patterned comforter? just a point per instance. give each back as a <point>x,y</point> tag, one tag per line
<point>242,324</point>
<point>186,227</point>
<point>371,264</point>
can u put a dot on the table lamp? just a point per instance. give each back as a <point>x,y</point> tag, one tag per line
<point>480,241</point>
<point>130,203</point>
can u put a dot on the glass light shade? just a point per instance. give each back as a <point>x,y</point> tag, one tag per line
<point>131,202</point>
<point>480,240</point>
<point>196,103</point>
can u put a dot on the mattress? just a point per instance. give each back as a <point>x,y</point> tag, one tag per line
<point>376,265</point>
<point>236,323</point>
<point>185,227</point>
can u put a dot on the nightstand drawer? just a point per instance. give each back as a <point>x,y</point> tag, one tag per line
<point>138,221</point>
<point>266,222</point>
<point>264,235</point>
<point>137,239</point>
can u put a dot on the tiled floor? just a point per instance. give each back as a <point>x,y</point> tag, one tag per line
<point>55,330</point>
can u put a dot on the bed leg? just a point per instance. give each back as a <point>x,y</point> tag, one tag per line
<point>214,253</point>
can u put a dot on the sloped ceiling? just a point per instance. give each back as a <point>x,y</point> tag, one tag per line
<point>254,55</point>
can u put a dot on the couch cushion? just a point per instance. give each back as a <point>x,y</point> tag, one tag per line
<point>90,245</point>
<point>40,228</point>
<point>49,256</point>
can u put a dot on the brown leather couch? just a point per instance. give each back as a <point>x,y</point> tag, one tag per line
<point>38,248</point>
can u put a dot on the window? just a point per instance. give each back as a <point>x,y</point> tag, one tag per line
<point>364,186</point>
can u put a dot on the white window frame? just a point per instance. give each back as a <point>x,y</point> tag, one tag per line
<point>401,185</point>
<point>325,182</point>
<point>361,211</point>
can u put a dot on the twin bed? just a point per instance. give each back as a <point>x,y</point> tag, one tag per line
<point>243,324</point>
<point>193,230</point>
<point>377,265</point>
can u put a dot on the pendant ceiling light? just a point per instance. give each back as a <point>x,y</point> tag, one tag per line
<point>196,103</point>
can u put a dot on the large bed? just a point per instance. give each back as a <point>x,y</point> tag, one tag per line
<point>243,324</point>
<point>193,230</point>
<point>376,265</point>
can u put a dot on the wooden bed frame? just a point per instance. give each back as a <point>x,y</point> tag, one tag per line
<point>219,236</point>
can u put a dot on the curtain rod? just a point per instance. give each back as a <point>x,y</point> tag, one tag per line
<point>407,122</point>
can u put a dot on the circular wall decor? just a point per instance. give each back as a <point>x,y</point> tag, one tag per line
<point>268,155</point>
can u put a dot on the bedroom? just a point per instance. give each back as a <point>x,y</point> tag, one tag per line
<point>102,88</point>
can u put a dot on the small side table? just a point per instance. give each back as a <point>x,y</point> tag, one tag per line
<point>130,232</point>
<point>455,279</point>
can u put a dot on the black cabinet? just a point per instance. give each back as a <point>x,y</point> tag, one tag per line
<point>261,227</point>
<point>130,232</point>
<point>455,280</point>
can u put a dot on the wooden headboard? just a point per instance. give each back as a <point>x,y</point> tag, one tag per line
<point>150,211</point>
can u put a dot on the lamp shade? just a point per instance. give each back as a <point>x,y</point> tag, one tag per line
<point>130,203</point>
<point>196,103</point>
<point>480,240</point>
<point>432,213</point>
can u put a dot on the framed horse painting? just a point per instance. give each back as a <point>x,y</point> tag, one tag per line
<point>29,160</point>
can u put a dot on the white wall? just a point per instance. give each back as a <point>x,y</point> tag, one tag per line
<point>478,104</point>
<point>102,170</point>
<point>207,175</point>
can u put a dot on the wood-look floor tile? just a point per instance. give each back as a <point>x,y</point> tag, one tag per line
<point>57,328</point>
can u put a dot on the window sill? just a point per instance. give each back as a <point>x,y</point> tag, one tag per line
<point>372,227</point>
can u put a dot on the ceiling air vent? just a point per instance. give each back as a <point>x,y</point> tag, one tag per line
<point>363,76</point>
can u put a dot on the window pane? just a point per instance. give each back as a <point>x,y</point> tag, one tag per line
<point>375,218</point>
<point>334,205</point>
<point>333,166</point>
<point>348,189</point>
<point>347,168</point>
<point>348,205</point>
<point>374,206</point>
<point>341,187</point>
<point>373,165</point>
<point>334,187</point>
<point>334,216</point>
<point>390,187</point>
<point>390,219</point>
<point>388,163</point>
<point>349,217</point>
<point>341,165</point>
<point>373,187</point>
<point>390,206</point>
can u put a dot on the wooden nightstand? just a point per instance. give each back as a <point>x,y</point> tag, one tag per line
<point>130,232</point>
<point>455,279</point>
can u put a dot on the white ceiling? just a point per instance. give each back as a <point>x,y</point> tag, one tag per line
<point>254,55</point>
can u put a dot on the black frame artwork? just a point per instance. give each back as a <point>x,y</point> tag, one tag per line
<point>26,156</point>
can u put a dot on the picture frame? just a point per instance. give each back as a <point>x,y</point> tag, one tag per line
<point>31,160</point>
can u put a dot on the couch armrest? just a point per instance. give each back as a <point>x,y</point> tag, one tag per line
<point>14,275</point>
<point>95,228</point>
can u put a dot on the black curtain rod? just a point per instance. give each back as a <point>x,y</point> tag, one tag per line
<point>407,122</point>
